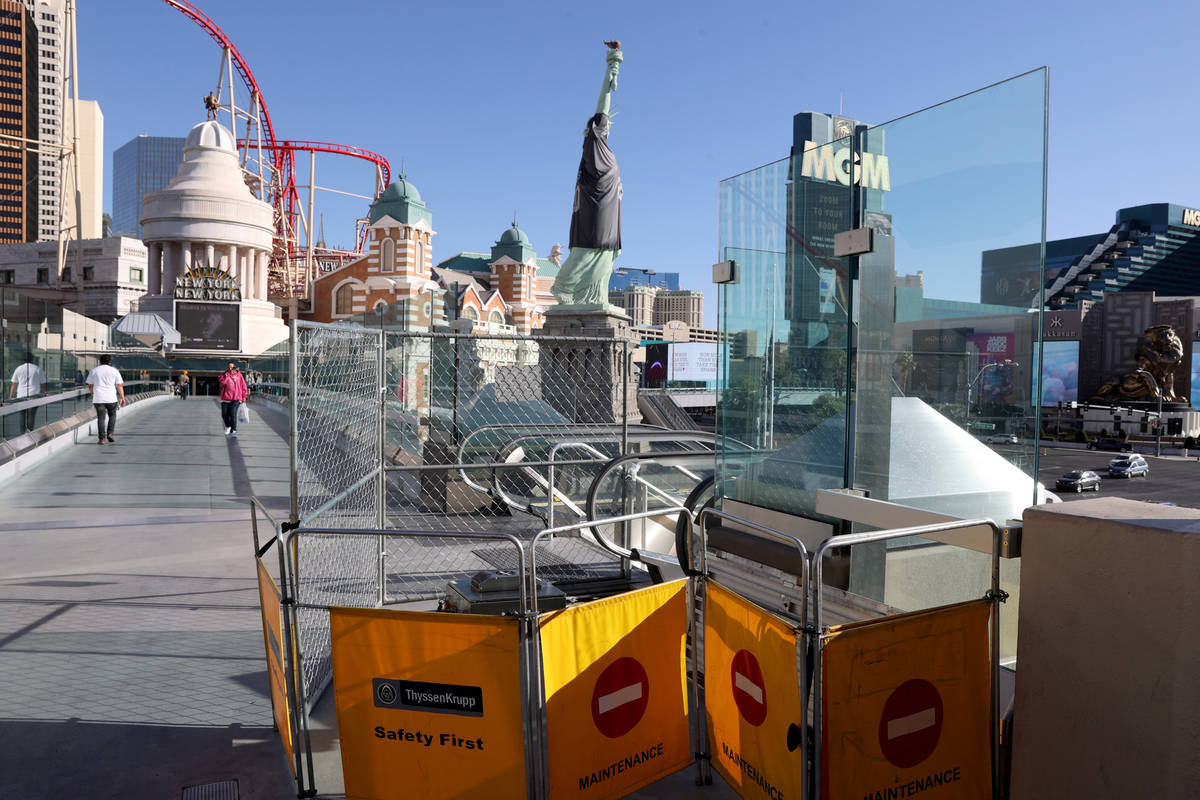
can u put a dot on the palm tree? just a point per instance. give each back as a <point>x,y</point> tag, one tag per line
<point>906,362</point>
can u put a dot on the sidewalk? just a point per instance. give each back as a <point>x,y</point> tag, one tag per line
<point>131,644</point>
<point>131,649</point>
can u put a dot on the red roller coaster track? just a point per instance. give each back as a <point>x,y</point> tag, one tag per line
<point>283,194</point>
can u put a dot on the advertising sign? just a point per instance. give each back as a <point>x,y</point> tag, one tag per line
<point>995,384</point>
<point>1195,387</point>
<point>693,361</point>
<point>657,361</point>
<point>906,705</point>
<point>207,326</point>
<point>428,704</point>
<point>1059,372</point>
<point>752,697</point>
<point>269,599</point>
<point>616,696</point>
<point>207,283</point>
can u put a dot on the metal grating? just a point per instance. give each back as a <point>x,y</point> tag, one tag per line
<point>221,790</point>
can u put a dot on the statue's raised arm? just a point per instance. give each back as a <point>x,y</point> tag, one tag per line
<point>613,59</point>
<point>596,213</point>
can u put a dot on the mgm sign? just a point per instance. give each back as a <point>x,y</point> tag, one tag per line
<point>208,283</point>
<point>830,162</point>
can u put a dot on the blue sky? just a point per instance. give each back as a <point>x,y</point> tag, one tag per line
<point>485,102</point>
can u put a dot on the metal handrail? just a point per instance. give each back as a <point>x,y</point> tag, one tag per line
<point>612,547</point>
<point>37,401</point>
<point>620,461</point>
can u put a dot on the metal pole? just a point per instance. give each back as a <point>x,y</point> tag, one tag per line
<point>997,598</point>
<point>381,496</point>
<point>294,412</point>
<point>308,228</point>
<point>1158,427</point>
<point>82,296</point>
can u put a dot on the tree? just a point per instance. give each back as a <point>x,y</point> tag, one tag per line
<point>905,363</point>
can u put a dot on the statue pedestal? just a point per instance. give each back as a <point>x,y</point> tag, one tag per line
<point>595,375</point>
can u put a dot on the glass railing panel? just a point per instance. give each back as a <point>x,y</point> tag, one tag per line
<point>949,320</point>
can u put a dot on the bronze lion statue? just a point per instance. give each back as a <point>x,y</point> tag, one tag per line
<point>1159,352</point>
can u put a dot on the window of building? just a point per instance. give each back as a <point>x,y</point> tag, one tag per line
<point>89,273</point>
<point>420,253</point>
<point>471,314</point>
<point>387,256</point>
<point>137,275</point>
<point>495,318</point>
<point>66,275</point>
<point>8,276</point>
<point>343,299</point>
<point>43,275</point>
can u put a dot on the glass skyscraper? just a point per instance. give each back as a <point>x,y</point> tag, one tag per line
<point>142,165</point>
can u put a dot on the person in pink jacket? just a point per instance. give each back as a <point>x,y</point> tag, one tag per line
<point>234,392</point>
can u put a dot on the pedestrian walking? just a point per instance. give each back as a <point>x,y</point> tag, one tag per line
<point>184,385</point>
<point>233,393</point>
<point>28,380</point>
<point>108,391</point>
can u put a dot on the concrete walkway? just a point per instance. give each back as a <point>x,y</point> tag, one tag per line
<point>131,645</point>
<point>131,648</point>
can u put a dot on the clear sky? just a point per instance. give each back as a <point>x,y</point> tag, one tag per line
<point>485,102</point>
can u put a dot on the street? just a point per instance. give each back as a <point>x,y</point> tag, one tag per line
<point>1172,479</point>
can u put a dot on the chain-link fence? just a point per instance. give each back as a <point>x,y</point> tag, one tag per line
<point>473,424</point>
<point>337,452</point>
<point>480,432</point>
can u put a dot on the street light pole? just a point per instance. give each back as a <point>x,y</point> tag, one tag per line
<point>1158,422</point>
<point>978,375</point>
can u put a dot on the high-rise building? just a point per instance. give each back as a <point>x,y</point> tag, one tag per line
<point>624,277</point>
<point>47,62</point>
<point>142,165</point>
<point>18,190</point>
<point>91,171</point>
<point>684,305</point>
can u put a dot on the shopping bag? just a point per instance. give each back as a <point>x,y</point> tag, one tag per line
<point>243,414</point>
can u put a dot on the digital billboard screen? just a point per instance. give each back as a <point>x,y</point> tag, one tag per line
<point>207,326</point>
<point>1060,373</point>
<point>1194,397</point>
<point>693,361</point>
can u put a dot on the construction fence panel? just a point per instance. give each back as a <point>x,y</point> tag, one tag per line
<point>337,452</point>
<point>472,423</point>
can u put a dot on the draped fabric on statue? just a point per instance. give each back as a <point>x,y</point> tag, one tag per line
<point>596,215</point>
<point>583,277</point>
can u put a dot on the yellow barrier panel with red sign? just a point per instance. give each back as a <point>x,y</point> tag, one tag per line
<point>752,697</point>
<point>269,598</point>
<point>906,706</point>
<point>616,694</point>
<point>428,704</point>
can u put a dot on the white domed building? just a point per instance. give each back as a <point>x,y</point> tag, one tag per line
<point>209,241</point>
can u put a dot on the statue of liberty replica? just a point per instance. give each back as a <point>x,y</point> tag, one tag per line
<point>596,214</point>
<point>602,380</point>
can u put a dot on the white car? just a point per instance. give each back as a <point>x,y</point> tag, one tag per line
<point>1002,438</point>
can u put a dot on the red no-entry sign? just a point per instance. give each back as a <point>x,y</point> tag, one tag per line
<point>620,697</point>
<point>911,723</point>
<point>749,688</point>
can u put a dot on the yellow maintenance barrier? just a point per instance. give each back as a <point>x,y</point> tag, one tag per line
<point>616,692</point>
<point>269,599</point>
<point>752,697</point>
<point>906,706</point>
<point>428,704</point>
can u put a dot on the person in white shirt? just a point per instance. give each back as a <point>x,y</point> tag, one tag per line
<point>27,381</point>
<point>108,391</point>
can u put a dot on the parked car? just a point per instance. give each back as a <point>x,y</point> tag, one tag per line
<point>1079,481</point>
<point>1129,466</point>
<point>1002,438</point>
<point>1115,445</point>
